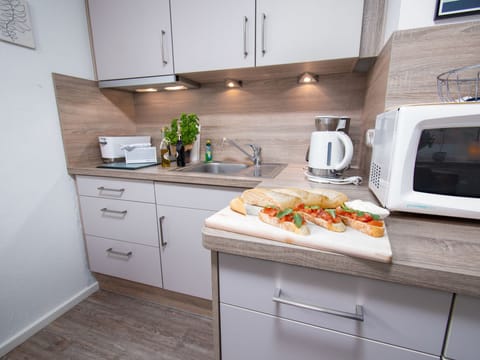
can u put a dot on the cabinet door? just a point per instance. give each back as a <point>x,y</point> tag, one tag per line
<point>307,30</point>
<point>463,337</point>
<point>131,38</point>
<point>250,335</point>
<point>213,34</point>
<point>185,262</point>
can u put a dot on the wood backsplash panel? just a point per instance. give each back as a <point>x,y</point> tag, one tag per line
<point>86,112</point>
<point>420,55</point>
<point>375,96</point>
<point>276,114</point>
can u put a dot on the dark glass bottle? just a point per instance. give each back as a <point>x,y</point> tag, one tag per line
<point>180,152</point>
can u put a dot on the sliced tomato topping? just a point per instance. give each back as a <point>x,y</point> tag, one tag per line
<point>376,223</point>
<point>270,211</point>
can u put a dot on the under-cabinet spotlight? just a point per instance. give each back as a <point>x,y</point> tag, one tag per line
<point>231,83</point>
<point>144,90</point>
<point>175,88</point>
<point>307,78</point>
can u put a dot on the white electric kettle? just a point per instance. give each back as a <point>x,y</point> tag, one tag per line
<point>330,153</point>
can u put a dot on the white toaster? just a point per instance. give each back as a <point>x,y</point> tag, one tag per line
<point>110,146</point>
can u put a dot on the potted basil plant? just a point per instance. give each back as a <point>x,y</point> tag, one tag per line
<point>189,127</point>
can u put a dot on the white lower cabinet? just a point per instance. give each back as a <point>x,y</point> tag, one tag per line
<point>181,211</point>
<point>150,232</point>
<point>463,339</point>
<point>247,334</point>
<point>119,223</point>
<point>186,263</point>
<point>324,315</point>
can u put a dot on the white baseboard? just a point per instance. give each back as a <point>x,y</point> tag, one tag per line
<point>46,319</point>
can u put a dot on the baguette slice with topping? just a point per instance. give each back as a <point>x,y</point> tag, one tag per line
<point>321,217</point>
<point>369,224</point>
<point>284,219</point>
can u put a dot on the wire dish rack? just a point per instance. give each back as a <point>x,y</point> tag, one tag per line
<point>460,85</point>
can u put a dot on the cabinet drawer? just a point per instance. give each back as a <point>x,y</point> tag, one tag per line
<point>196,197</point>
<point>410,317</point>
<point>110,257</point>
<point>120,220</point>
<point>120,189</point>
<point>246,334</point>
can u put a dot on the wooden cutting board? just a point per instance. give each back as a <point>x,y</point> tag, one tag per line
<point>351,242</point>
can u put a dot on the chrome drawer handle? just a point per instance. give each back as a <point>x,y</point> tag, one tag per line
<point>114,252</point>
<point>264,18</point>
<point>123,212</point>
<point>162,240</point>
<point>164,60</point>
<point>358,315</point>
<point>245,51</point>
<point>102,188</point>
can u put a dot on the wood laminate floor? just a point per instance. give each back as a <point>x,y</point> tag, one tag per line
<point>109,325</point>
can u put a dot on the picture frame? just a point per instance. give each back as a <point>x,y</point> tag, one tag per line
<point>15,23</point>
<point>452,8</point>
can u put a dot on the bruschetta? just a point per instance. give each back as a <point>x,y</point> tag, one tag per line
<point>286,219</point>
<point>367,223</point>
<point>325,218</point>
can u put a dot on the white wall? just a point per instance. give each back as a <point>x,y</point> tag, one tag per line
<point>411,14</point>
<point>42,258</point>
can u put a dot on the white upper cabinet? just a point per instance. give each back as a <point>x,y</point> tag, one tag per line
<point>307,30</point>
<point>213,34</point>
<point>131,38</point>
<point>227,34</point>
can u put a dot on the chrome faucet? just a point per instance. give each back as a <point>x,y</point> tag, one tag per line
<point>256,157</point>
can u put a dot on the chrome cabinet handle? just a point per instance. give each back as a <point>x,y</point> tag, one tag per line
<point>162,240</point>
<point>245,21</point>
<point>264,18</point>
<point>103,188</point>
<point>165,62</point>
<point>358,315</point>
<point>114,252</point>
<point>122,212</point>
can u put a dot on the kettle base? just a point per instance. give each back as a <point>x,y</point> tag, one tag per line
<point>327,173</point>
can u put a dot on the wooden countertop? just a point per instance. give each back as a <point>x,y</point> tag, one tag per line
<point>157,173</point>
<point>434,252</point>
<point>428,251</point>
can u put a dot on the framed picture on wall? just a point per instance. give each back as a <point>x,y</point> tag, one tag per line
<point>15,25</point>
<point>449,8</point>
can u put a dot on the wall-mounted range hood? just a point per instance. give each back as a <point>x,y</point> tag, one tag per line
<point>149,84</point>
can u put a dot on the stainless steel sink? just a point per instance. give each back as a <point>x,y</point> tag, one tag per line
<point>235,169</point>
<point>214,168</point>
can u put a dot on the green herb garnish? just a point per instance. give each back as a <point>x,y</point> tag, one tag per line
<point>284,212</point>
<point>331,212</point>
<point>297,220</point>
<point>359,213</point>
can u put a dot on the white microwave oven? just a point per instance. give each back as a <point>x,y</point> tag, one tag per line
<point>426,159</point>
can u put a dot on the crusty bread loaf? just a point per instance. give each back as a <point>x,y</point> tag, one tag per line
<point>237,204</point>
<point>285,225</point>
<point>266,197</point>
<point>375,231</point>
<point>307,198</point>
<point>332,198</point>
